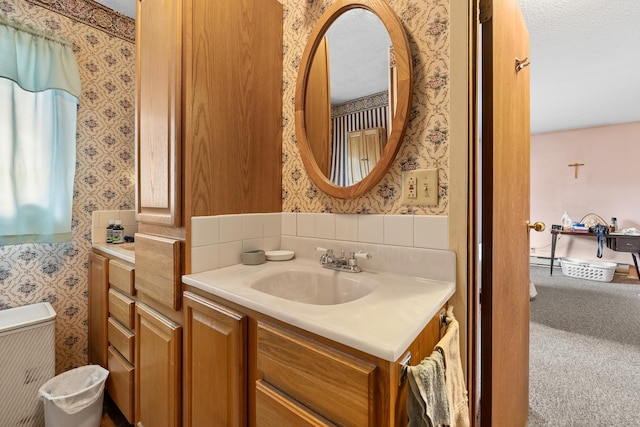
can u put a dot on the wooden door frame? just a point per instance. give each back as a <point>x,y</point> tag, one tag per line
<point>473,349</point>
<point>462,201</point>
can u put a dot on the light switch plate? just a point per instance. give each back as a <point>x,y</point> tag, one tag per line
<point>420,187</point>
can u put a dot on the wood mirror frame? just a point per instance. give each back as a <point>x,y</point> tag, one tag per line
<point>404,94</point>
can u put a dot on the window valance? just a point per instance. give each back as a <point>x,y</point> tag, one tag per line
<point>37,63</point>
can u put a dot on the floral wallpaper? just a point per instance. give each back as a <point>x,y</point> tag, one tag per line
<point>426,143</point>
<point>104,180</point>
<point>104,46</point>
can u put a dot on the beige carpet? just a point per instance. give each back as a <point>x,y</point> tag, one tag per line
<point>584,351</point>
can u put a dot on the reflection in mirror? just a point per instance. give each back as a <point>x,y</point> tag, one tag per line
<point>353,96</point>
<point>347,101</point>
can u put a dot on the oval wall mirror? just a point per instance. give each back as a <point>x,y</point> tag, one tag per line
<point>353,96</point>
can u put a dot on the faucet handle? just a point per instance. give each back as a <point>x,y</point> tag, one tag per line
<point>361,255</point>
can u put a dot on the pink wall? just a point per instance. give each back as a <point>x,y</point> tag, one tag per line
<point>607,185</point>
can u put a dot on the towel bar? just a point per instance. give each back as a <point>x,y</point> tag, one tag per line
<point>443,318</point>
<point>403,367</point>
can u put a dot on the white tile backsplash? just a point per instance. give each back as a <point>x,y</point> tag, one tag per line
<point>230,253</point>
<point>398,230</point>
<point>347,227</point>
<point>289,224</point>
<point>325,226</point>
<point>238,233</point>
<point>252,226</point>
<point>100,220</point>
<point>371,228</point>
<point>306,224</point>
<point>252,244</point>
<point>272,225</point>
<point>204,258</point>
<point>272,243</point>
<point>431,232</point>
<point>128,218</point>
<point>230,228</point>
<point>204,231</point>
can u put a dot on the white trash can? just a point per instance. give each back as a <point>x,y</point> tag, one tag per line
<point>74,398</point>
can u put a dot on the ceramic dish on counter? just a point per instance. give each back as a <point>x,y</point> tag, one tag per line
<point>280,255</point>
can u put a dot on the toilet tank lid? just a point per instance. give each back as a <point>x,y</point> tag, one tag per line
<point>26,315</point>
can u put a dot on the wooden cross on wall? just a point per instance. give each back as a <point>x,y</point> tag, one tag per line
<point>576,166</point>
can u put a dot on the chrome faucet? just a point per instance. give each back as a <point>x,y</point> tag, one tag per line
<point>342,263</point>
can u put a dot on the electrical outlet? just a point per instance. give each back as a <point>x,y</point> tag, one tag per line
<point>420,187</point>
<point>411,188</point>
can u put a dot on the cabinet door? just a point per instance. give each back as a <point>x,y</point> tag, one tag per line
<point>98,308</point>
<point>157,369</point>
<point>215,379</point>
<point>158,113</point>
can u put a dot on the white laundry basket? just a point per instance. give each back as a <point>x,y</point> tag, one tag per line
<point>74,398</point>
<point>591,270</point>
<point>27,360</point>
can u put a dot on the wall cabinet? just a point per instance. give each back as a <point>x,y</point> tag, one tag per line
<point>209,108</point>
<point>157,373</point>
<point>292,377</point>
<point>158,112</point>
<point>215,357</point>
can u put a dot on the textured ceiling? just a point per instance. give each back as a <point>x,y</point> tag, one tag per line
<point>358,45</point>
<point>585,66</point>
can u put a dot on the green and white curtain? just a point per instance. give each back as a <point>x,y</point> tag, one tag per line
<point>39,93</point>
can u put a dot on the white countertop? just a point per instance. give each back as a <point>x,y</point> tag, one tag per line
<point>383,323</point>
<point>123,251</point>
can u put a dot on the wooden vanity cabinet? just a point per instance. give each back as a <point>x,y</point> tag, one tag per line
<point>158,367</point>
<point>292,377</point>
<point>215,364</point>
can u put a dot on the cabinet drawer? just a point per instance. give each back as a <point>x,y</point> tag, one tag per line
<point>121,276</point>
<point>274,409</point>
<point>121,338</point>
<point>122,308</point>
<point>120,383</point>
<point>624,244</point>
<point>336,385</point>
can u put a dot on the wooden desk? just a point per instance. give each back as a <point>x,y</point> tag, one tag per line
<point>616,242</point>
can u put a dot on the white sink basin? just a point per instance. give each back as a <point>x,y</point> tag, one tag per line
<point>322,287</point>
